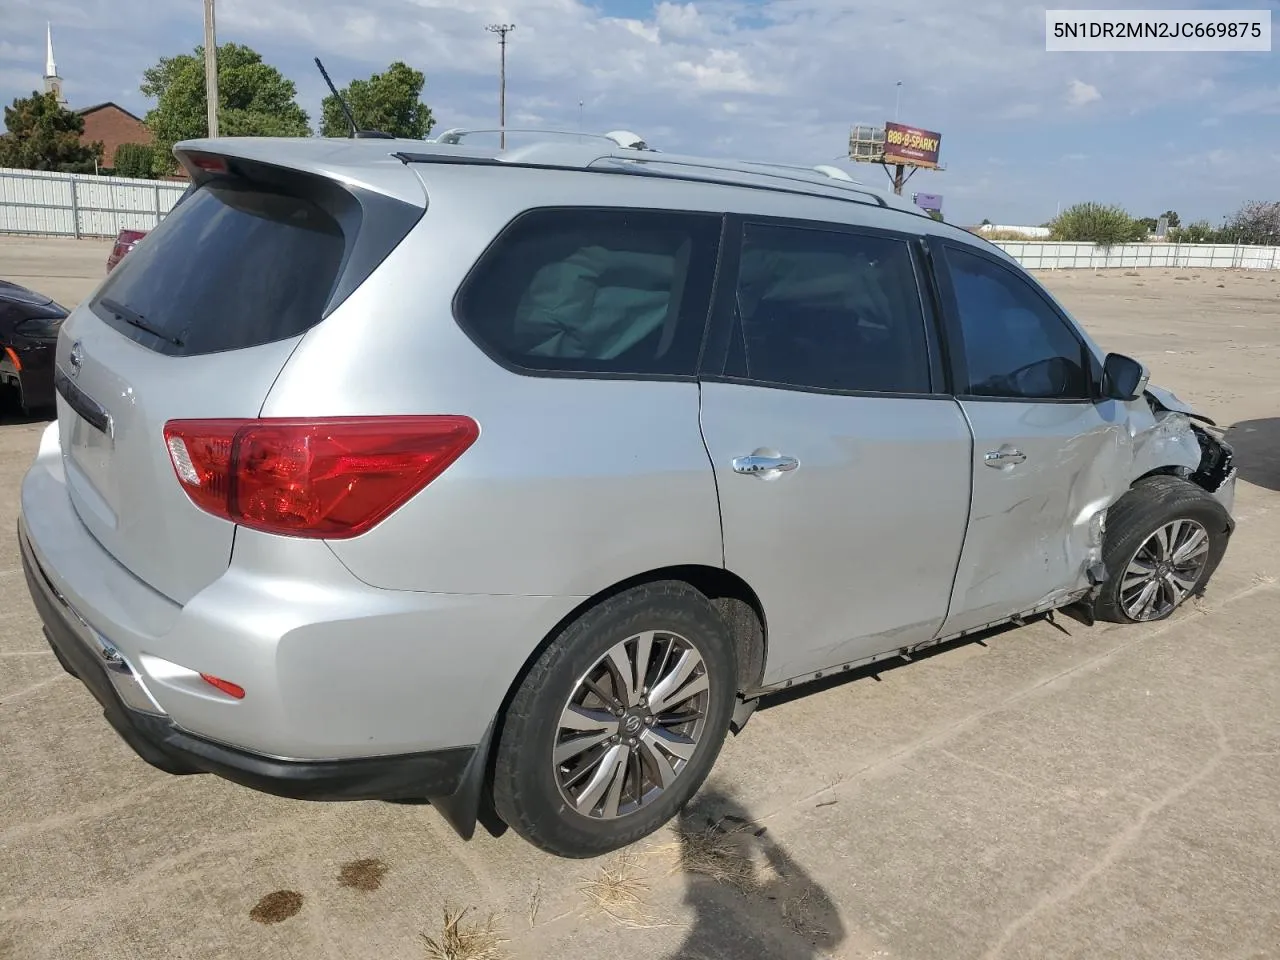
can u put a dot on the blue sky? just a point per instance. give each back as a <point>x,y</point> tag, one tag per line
<point>1022,130</point>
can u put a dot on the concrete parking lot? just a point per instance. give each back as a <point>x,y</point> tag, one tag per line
<point>1051,791</point>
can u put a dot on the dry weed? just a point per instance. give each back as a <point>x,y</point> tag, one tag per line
<point>463,939</point>
<point>621,892</point>
<point>717,852</point>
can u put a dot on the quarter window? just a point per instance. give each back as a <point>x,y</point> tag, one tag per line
<point>824,310</point>
<point>1015,344</point>
<point>595,291</point>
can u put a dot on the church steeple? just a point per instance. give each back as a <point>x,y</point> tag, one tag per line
<point>52,82</point>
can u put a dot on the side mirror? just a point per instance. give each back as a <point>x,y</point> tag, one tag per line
<point>1123,378</point>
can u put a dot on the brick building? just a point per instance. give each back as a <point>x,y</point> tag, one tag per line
<point>113,125</point>
<point>108,122</point>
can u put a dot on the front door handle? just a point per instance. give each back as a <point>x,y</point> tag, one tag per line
<point>1004,456</point>
<point>761,466</point>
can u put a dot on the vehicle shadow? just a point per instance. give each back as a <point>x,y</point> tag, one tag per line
<point>12,416</point>
<point>1257,447</point>
<point>749,896</point>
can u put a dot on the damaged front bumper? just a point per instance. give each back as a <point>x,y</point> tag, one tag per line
<point>1216,470</point>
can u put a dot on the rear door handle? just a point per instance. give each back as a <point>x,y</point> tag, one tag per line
<point>1004,456</point>
<point>757,465</point>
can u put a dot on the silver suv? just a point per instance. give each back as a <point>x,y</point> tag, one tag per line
<point>513,480</point>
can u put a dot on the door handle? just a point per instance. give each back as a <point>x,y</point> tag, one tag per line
<point>1003,457</point>
<point>760,466</point>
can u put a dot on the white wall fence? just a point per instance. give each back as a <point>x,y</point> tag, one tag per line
<point>1031,233</point>
<point>81,205</point>
<point>1061,255</point>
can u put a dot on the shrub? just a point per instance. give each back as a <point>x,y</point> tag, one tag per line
<point>134,160</point>
<point>1096,223</point>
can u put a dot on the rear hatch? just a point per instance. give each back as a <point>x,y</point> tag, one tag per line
<point>197,323</point>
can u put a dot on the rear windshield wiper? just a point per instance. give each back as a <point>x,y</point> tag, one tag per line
<point>135,319</point>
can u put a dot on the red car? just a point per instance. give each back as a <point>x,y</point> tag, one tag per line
<point>125,241</point>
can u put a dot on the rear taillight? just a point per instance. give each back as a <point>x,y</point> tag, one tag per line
<point>331,478</point>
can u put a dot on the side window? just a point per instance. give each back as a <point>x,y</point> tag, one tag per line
<point>1015,344</point>
<point>595,291</point>
<point>827,310</point>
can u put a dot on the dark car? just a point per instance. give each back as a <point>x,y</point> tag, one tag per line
<point>29,324</point>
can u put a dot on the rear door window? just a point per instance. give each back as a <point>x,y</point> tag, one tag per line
<point>827,310</point>
<point>232,266</point>
<point>594,291</point>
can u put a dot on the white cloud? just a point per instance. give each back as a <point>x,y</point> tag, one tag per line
<point>1079,93</point>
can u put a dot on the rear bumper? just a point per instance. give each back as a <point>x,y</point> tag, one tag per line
<point>133,713</point>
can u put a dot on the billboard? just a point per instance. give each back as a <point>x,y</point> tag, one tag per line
<point>928,201</point>
<point>911,145</point>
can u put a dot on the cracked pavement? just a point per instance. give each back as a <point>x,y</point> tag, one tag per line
<point>1051,791</point>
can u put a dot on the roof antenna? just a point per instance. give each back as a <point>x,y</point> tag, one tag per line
<point>346,111</point>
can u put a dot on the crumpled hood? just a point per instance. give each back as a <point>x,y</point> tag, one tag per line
<point>1167,400</point>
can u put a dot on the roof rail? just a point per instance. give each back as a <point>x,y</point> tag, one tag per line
<point>826,169</point>
<point>842,181</point>
<point>627,153</point>
<point>619,138</point>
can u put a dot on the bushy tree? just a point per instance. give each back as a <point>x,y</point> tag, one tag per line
<point>1096,223</point>
<point>254,100</point>
<point>1173,218</point>
<point>45,135</point>
<point>1258,221</point>
<point>134,160</point>
<point>1198,231</point>
<point>386,101</point>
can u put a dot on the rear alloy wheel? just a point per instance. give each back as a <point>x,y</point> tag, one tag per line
<point>1164,539</point>
<point>618,722</point>
<point>632,725</point>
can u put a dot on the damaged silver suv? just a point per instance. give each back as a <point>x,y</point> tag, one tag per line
<point>513,479</point>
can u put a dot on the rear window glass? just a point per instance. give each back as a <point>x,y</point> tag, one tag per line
<point>232,266</point>
<point>595,291</point>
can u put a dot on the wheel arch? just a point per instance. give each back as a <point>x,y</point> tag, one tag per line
<point>732,596</point>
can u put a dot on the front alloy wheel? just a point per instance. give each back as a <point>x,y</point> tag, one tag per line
<point>1164,570</point>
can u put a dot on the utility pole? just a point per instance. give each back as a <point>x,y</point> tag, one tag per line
<point>211,67</point>
<point>502,29</point>
<point>897,101</point>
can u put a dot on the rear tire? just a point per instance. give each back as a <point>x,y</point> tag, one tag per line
<point>1164,540</point>
<point>618,722</point>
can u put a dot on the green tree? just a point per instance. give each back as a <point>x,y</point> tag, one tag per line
<point>1146,224</point>
<point>1173,218</point>
<point>1198,231</point>
<point>1096,223</point>
<point>386,101</point>
<point>44,135</point>
<point>254,100</point>
<point>134,160</point>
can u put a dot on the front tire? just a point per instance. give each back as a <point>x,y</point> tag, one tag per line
<point>618,722</point>
<point>1164,540</point>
